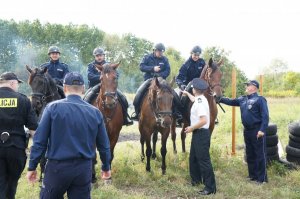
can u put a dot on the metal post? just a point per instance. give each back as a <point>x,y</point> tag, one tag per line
<point>233,110</point>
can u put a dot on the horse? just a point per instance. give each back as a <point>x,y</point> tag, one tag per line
<point>212,74</point>
<point>108,103</point>
<point>156,116</point>
<point>44,91</point>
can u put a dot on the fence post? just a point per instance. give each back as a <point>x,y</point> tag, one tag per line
<point>233,86</point>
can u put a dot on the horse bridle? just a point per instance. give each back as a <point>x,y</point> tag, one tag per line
<point>210,86</point>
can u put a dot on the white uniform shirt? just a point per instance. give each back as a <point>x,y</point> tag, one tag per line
<point>200,108</point>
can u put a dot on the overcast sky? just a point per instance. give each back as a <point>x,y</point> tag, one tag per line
<point>255,32</point>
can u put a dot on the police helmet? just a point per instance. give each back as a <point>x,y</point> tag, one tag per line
<point>159,47</point>
<point>53,49</point>
<point>196,50</point>
<point>98,51</point>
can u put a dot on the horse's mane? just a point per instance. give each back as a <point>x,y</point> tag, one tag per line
<point>38,71</point>
<point>107,69</point>
<point>163,85</point>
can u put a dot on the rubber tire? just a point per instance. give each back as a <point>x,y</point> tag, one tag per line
<point>271,129</point>
<point>273,157</point>
<point>272,140</point>
<point>294,129</point>
<point>292,151</point>
<point>294,144</point>
<point>294,138</point>
<point>293,159</point>
<point>272,150</point>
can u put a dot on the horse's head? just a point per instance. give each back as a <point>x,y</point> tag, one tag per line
<point>161,98</point>
<point>41,84</point>
<point>213,75</point>
<point>109,84</point>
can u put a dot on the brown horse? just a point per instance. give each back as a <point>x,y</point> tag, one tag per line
<point>108,103</point>
<point>212,74</point>
<point>156,116</point>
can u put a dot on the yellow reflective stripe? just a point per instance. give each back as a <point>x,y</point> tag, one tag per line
<point>8,102</point>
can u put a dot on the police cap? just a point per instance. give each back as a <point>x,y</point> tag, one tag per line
<point>98,51</point>
<point>10,76</point>
<point>252,82</point>
<point>73,78</point>
<point>199,84</point>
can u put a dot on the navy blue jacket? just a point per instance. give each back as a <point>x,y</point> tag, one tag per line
<point>69,129</point>
<point>56,69</point>
<point>148,63</point>
<point>254,111</point>
<point>189,70</point>
<point>93,74</point>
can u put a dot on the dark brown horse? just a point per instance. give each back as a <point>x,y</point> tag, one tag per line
<point>108,103</point>
<point>212,74</point>
<point>156,116</point>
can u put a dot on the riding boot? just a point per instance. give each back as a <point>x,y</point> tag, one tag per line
<point>177,108</point>
<point>91,94</point>
<point>124,104</point>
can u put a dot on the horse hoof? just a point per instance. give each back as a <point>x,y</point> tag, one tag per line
<point>164,172</point>
<point>142,158</point>
<point>148,169</point>
<point>108,181</point>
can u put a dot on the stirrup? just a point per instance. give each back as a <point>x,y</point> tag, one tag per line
<point>217,121</point>
<point>134,117</point>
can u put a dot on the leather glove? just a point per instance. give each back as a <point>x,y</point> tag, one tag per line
<point>217,99</point>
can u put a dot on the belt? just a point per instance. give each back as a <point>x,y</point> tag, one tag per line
<point>199,130</point>
<point>69,160</point>
<point>252,127</point>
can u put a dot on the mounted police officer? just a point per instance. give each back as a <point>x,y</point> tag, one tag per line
<point>56,69</point>
<point>201,170</point>
<point>255,119</point>
<point>68,132</point>
<point>153,64</point>
<point>94,83</point>
<point>15,112</point>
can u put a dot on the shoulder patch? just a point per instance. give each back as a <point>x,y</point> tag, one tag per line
<point>199,100</point>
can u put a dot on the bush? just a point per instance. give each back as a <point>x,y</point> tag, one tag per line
<point>283,93</point>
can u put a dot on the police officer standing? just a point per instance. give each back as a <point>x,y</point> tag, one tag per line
<point>201,170</point>
<point>255,119</point>
<point>15,112</point>
<point>68,131</point>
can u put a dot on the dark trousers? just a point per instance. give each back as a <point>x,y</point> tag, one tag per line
<point>71,176</point>
<point>12,163</point>
<point>200,165</point>
<point>256,155</point>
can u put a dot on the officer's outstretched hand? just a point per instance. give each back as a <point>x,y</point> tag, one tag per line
<point>260,134</point>
<point>31,176</point>
<point>105,175</point>
<point>188,129</point>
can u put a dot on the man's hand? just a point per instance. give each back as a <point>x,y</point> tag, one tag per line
<point>260,134</point>
<point>31,176</point>
<point>185,93</point>
<point>182,87</point>
<point>156,68</point>
<point>105,175</point>
<point>188,129</point>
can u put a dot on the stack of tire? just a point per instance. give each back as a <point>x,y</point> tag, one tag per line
<point>293,149</point>
<point>272,141</point>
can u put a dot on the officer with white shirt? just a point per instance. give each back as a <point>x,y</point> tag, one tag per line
<point>201,170</point>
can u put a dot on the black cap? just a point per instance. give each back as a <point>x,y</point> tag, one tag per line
<point>252,82</point>
<point>199,84</point>
<point>73,78</point>
<point>10,76</point>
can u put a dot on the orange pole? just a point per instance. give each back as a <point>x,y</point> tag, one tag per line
<point>233,110</point>
<point>261,78</point>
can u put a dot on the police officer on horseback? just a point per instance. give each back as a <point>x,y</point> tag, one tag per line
<point>94,83</point>
<point>153,64</point>
<point>15,112</point>
<point>56,69</point>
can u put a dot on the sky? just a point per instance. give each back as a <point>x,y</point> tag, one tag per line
<point>254,32</point>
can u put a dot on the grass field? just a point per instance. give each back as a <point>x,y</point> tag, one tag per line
<point>130,179</point>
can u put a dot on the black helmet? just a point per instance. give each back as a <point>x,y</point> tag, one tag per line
<point>159,47</point>
<point>196,50</point>
<point>98,51</point>
<point>53,49</point>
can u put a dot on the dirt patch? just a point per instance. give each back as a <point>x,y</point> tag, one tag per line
<point>128,137</point>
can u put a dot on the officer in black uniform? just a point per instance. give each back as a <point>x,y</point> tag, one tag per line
<point>255,119</point>
<point>56,69</point>
<point>94,83</point>
<point>201,170</point>
<point>153,64</point>
<point>15,112</point>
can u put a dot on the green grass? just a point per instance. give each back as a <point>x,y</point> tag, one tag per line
<point>130,179</point>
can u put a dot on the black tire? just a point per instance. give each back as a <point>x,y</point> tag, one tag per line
<point>294,138</point>
<point>292,151</point>
<point>271,129</point>
<point>294,129</point>
<point>272,150</point>
<point>272,140</point>
<point>291,158</point>
<point>294,144</point>
<point>273,157</point>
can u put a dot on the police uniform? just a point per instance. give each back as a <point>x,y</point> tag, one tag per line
<point>57,70</point>
<point>93,74</point>
<point>15,112</point>
<point>201,170</point>
<point>255,117</point>
<point>68,131</point>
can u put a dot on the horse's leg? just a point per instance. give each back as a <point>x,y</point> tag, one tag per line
<point>183,136</point>
<point>142,141</point>
<point>148,152</point>
<point>154,140</point>
<point>173,134</point>
<point>163,150</point>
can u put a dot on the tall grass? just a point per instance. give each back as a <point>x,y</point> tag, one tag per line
<point>130,179</point>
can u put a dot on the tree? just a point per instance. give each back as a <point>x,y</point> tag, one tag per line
<point>290,80</point>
